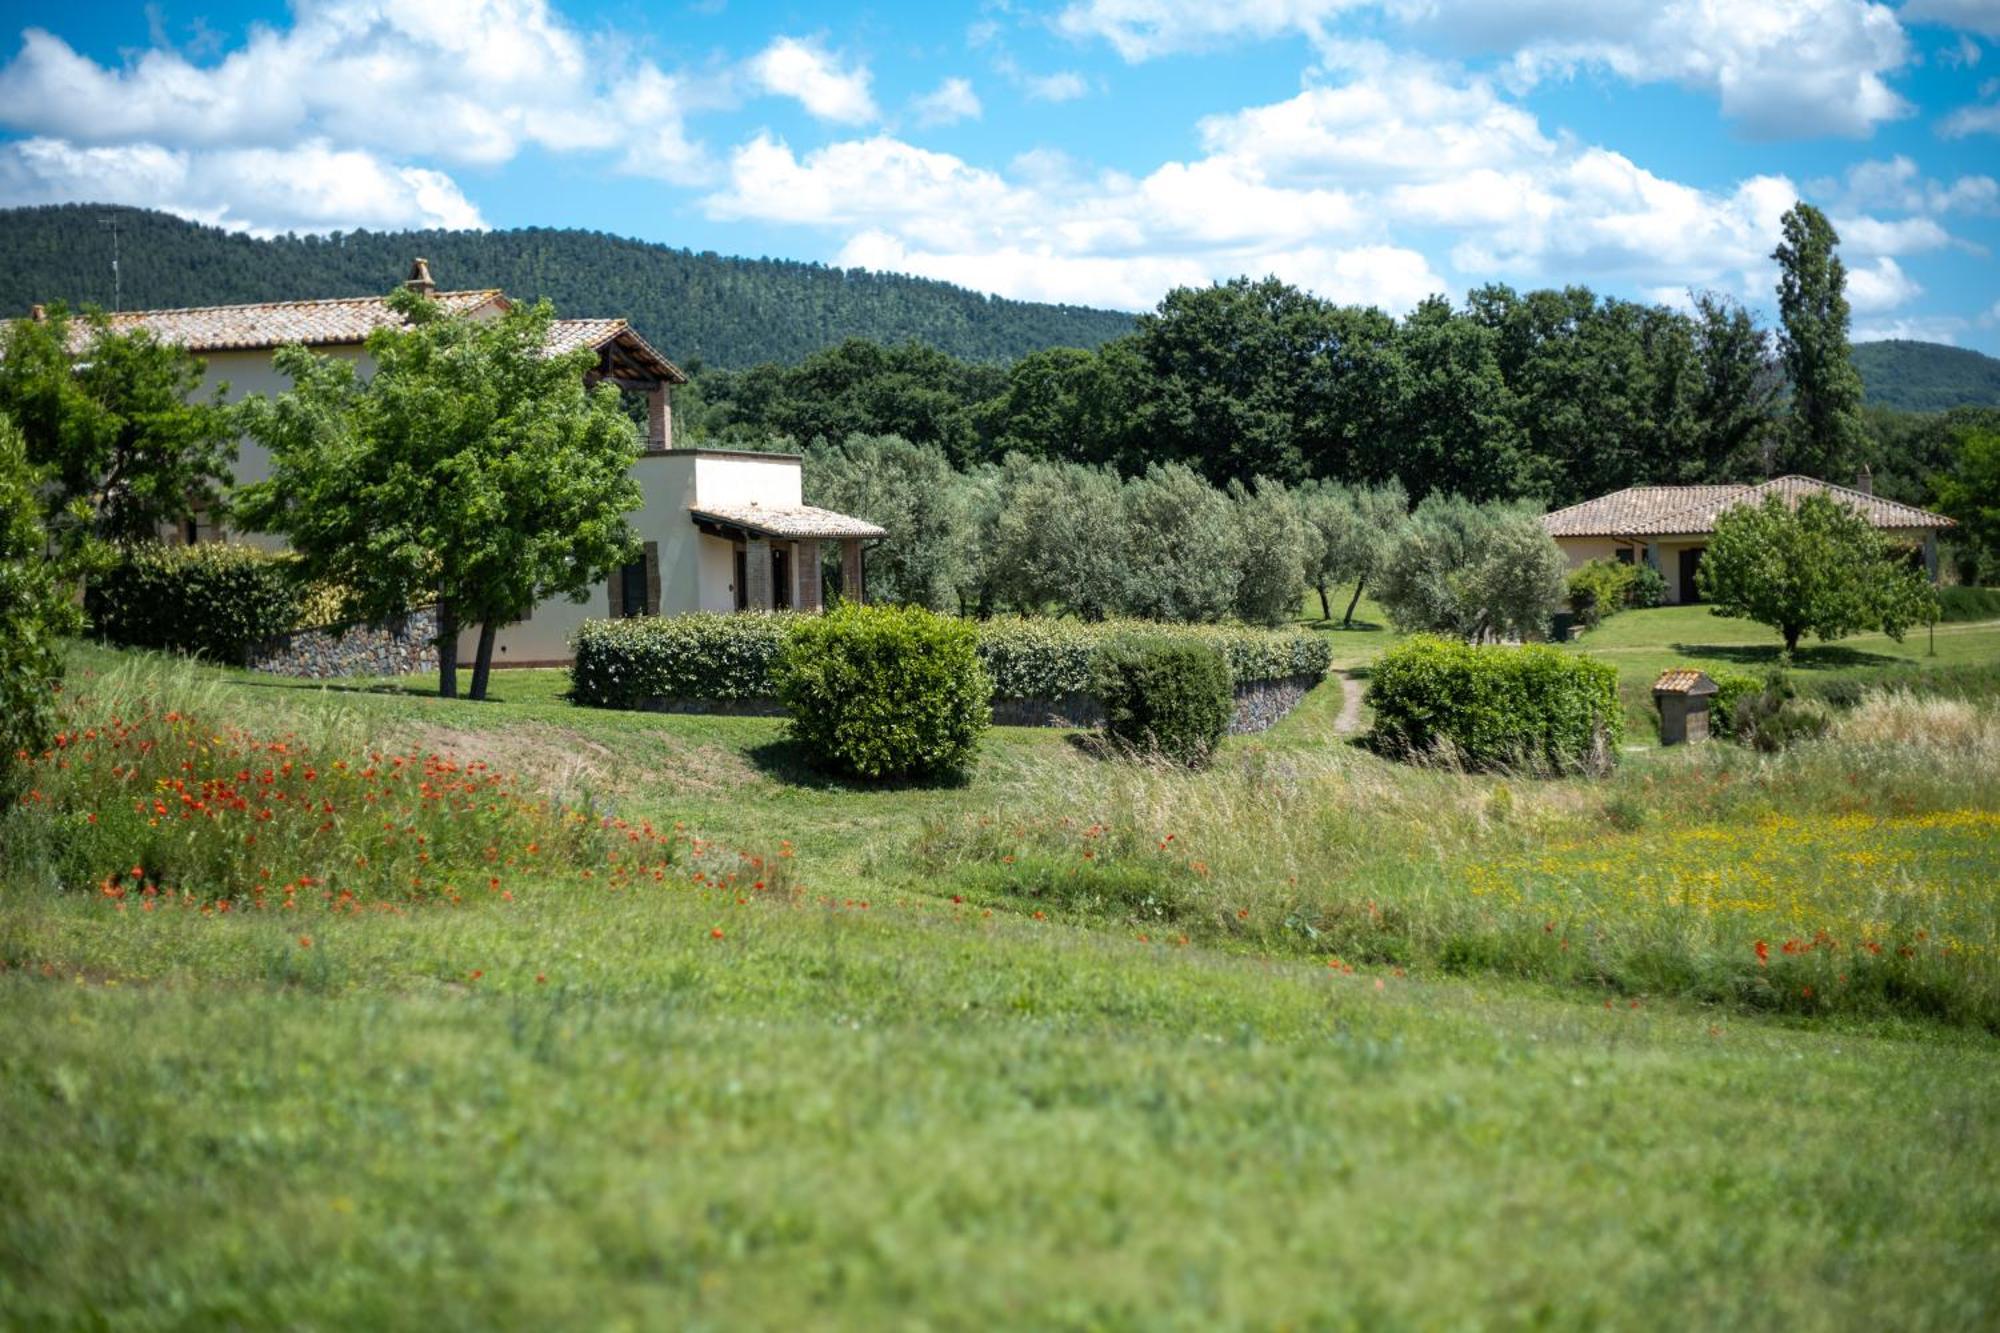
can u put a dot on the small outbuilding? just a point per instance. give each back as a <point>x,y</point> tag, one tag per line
<point>1683,696</point>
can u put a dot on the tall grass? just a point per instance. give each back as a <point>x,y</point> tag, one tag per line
<point>1855,874</point>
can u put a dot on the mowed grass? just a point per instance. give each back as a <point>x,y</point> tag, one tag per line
<point>843,1063</point>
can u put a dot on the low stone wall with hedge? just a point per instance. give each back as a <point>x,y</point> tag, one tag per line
<point>715,662</point>
<point>352,650</point>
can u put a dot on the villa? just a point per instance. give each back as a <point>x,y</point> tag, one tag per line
<point>719,530</point>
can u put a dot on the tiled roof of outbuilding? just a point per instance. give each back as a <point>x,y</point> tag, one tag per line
<point>1684,680</point>
<point>1655,511</point>
<point>788,522</point>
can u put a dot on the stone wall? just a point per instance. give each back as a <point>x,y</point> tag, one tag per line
<point>353,650</point>
<point>1260,704</point>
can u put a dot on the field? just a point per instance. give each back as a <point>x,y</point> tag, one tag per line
<point>520,1014</point>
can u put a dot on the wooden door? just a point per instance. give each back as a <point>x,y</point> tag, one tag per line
<point>1690,563</point>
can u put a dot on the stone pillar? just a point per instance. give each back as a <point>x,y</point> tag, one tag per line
<point>1931,555</point>
<point>757,573</point>
<point>852,586</point>
<point>805,571</point>
<point>659,419</point>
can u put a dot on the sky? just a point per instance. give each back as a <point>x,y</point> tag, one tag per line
<point>1089,151</point>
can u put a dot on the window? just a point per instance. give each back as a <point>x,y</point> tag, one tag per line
<point>781,579</point>
<point>1624,555</point>
<point>742,579</point>
<point>632,589</point>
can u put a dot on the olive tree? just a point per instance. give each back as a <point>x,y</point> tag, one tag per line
<point>1183,550</point>
<point>1476,571</point>
<point>912,491</point>
<point>1278,546</point>
<point>1819,568</point>
<point>1358,526</point>
<point>1058,539</point>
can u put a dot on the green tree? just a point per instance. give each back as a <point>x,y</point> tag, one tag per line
<point>1278,546</point>
<point>1823,431</point>
<point>1820,568</point>
<point>1358,526</point>
<point>1970,492</point>
<point>1183,550</point>
<point>472,468</point>
<point>109,415</point>
<point>1058,541</point>
<point>1458,426</point>
<point>1736,403</point>
<point>1068,403</point>
<point>1475,571</point>
<point>911,490</point>
<point>38,610</point>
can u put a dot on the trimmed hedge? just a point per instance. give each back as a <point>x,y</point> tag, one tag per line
<point>1530,707</point>
<point>215,600</point>
<point>885,692</point>
<point>731,656</point>
<point>1960,603</point>
<point>1170,698</point>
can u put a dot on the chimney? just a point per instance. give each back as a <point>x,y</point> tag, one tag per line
<point>1864,481</point>
<point>420,278</point>
<point>39,313</point>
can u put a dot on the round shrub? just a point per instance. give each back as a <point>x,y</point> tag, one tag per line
<point>1649,587</point>
<point>1532,707</point>
<point>1166,697</point>
<point>216,600</point>
<point>885,692</point>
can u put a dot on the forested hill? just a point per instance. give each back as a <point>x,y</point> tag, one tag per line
<point>1927,377</point>
<point>698,308</point>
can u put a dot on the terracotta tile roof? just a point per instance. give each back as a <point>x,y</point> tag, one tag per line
<point>1654,511</point>
<point>349,320</point>
<point>787,522</point>
<point>1615,514</point>
<point>345,319</point>
<point>1684,680</point>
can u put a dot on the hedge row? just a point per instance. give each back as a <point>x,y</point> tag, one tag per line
<point>216,600</point>
<point>731,656</point>
<point>1531,707</point>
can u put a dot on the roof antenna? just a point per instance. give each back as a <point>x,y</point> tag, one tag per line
<point>117,279</point>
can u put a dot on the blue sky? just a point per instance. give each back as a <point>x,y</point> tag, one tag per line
<point>1097,151</point>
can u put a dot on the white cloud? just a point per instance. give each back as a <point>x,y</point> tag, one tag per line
<point>1780,67</point>
<point>1329,188</point>
<point>470,82</point>
<point>1884,236</point>
<point>1062,86</point>
<point>312,187</point>
<point>1896,183</point>
<point>1882,286</point>
<point>950,102</point>
<point>1980,118</point>
<point>1981,16</point>
<point>1920,328</point>
<point>810,74</point>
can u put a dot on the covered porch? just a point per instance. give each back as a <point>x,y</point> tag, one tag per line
<point>778,551</point>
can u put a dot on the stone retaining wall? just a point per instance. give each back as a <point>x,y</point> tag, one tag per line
<point>1259,705</point>
<point>352,650</point>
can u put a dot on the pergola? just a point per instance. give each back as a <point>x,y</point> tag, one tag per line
<point>778,551</point>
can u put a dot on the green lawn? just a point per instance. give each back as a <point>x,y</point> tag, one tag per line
<point>1309,1040</point>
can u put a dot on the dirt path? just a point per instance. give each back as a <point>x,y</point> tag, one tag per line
<point>1349,721</point>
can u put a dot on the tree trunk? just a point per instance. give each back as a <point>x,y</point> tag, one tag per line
<point>482,665</point>
<point>1353,602</point>
<point>1325,607</point>
<point>1792,633</point>
<point>447,646</point>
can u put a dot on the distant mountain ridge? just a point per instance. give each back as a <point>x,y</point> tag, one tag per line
<point>696,307</point>
<point>1926,377</point>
